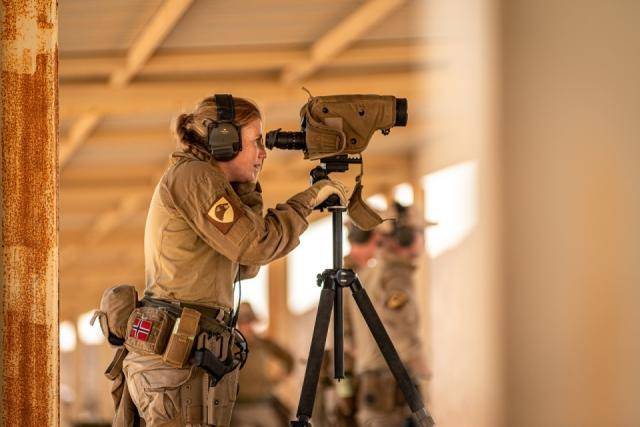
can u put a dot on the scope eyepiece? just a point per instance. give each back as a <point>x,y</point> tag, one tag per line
<point>401,112</point>
<point>286,140</point>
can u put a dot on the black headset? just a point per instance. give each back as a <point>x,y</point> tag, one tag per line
<point>224,137</point>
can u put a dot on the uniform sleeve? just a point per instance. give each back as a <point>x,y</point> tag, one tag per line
<point>251,196</point>
<point>213,209</point>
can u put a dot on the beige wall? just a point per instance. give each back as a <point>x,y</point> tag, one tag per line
<point>572,240</point>
<point>466,389</point>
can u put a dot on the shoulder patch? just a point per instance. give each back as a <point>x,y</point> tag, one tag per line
<point>397,300</point>
<point>223,214</point>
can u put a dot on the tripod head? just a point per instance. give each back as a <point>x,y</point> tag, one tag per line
<point>339,163</point>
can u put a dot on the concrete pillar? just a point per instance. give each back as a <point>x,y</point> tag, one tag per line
<point>29,213</point>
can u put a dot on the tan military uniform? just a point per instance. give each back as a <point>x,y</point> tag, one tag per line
<point>256,403</point>
<point>201,233</point>
<point>390,286</point>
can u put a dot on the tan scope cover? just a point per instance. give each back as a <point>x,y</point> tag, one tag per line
<point>344,124</point>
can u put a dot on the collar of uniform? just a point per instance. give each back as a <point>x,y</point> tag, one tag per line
<point>177,155</point>
<point>181,156</point>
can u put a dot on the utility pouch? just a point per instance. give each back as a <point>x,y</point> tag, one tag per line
<point>362,215</point>
<point>116,306</point>
<point>148,330</point>
<point>182,338</point>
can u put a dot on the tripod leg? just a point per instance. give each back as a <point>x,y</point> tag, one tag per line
<point>338,335</point>
<point>411,394</point>
<point>316,354</point>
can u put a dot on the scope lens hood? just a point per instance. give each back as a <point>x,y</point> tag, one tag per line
<point>401,112</point>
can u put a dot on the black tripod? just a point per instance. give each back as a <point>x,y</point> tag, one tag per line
<point>333,281</point>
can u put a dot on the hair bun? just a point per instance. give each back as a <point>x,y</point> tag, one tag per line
<point>181,122</point>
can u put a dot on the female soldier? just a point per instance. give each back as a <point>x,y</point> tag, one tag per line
<point>204,230</point>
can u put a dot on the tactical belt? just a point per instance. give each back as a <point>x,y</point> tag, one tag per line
<point>175,307</point>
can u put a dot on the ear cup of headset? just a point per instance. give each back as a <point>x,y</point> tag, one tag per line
<point>224,137</point>
<point>224,141</point>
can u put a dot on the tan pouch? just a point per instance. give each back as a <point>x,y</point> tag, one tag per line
<point>116,306</point>
<point>377,390</point>
<point>182,338</point>
<point>360,213</point>
<point>148,330</point>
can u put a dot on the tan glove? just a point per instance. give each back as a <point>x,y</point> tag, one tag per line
<point>326,188</point>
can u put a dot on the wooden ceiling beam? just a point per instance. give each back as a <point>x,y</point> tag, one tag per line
<point>77,136</point>
<point>251,60</point>
<point>162,23</point>
<point>110,180</point>
<point>109,220</point>
<point>339,38</point>
<point>169,97</point>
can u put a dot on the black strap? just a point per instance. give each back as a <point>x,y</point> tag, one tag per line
<point>225,108</point>
<point>215,314</point>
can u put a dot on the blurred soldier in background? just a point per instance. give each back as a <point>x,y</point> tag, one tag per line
<point>390,285</point>
<point>364,245</point>
<point>267,365</point>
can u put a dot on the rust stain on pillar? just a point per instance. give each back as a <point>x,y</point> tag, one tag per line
<point>29,194</point>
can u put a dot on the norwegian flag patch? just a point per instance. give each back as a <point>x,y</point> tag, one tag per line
<point>141,329</point>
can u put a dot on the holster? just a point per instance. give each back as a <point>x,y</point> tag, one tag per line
<point>222,373</point>
<point>218,356</point>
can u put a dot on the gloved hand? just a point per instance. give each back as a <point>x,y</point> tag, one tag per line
<point>325,188</point>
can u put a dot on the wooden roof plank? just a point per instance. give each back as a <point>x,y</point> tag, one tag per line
<point>162,23</point>
<point>340,37</point>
